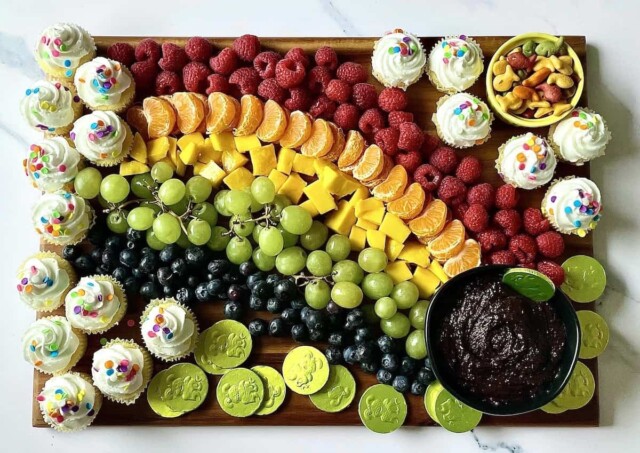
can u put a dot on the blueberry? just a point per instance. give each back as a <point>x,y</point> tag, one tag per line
<point>185,295</point>
<point>369,366</point>
<point>408,366</point>
<point>179,267</point>
<point>247,268</point>
<point>253,280</point>
<point>425,376</point>
<point>201,292</point>
<point>349,355</point>
<point>164,275</point>
<point>418,388</point>
<point>148,263</point>
<point>316,335</point>
<point>298,304</point>
<point>131,285</point>
<point>132,245</point>
<point>169,253</point>
<point>285,290</point>
<point>70,252</point>
<point>222,295</point>
<point>257,304</point>
<point>218,267</point>
<point>336,339</point>
<point>315,320</point>
<point>290,315</point>
<point>233,276</point>
<point>277,328</point>
<point>102,269</point>
<point>356,317</point>
<point>149,290</point>
<point>333,308</point>
<point>334,355</point>
<point>147,251</point>
<point>120,273</point>
<point>273,279</point>
<point>299,332</point>
<point>84,264</point>
<point>363,334</point>
<point>365,352</point>
<point>275,305</point>
<point>96,255</point>
<point>385,344</point>
<point>235,292</point>
<point>195,256</point>
<point>401,383</point>
<point>233,310</point>
<point>138,273</point>
<point>262,289</point>
<point>213,287</point>
<point>135,235</point>
<point>335,321</point>
<point>109,258</point>
<point>304,313</point>
<point>258,327</point>
<point>427,363</point>
<point>114,242</point>
<point>129,258</point>
<point>384,376</point>
<point>168,290</point>
<point>192,281</point>
<point>389,362</point>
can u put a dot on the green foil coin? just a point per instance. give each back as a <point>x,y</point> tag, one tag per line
<point>240,392</point>
<point>579,390</point>
<point>154,397</point>
<point>552,408</point>
<point>382,409</point>
<point>305,370</point>
<point>433,390</point>
<point>338,393</point>
<point>227,344</point>
<point>274,389</point>
<point>584,278</point>
<point>449,412</point>
<point>202,358</point>
<point>594,334</point>
<point>181,388</point>
<point>532,284</point>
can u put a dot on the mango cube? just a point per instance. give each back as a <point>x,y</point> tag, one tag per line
<point>232,160</point>
<point>293,187</point>
<point>393,249</point>
<point>158,149</point>
<point>368,204</point>
<point>376,239</point>
<point>416,253</point>
<point>360,194</point>
<point>438,271</point>
<point>138,149</point>
<point>426,281</point>
<point>399,271</point>
<point>133,167</point>
<point>285,160</point>
<point>374,216</point>
<point>395,228</point>
<point>212,172</point>
<point>321,199</point>
<point>238,179</point>
<point>303,164</point>
<point>189,154</point>
<point>320,164</point>
<point>263,159</point>
<point>195,138</point>
<point>208,154</point>
<point>179,166</point>
<point>357,238</point>
<point>247,143</point>
<point>223,141</point>
<point>343,219</point>
<point>337,182</point>
<point>365,224</point>
<point>310,208</point>
<point>198,167</point>
<point>277,178</point>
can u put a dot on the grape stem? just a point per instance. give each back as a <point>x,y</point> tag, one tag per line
<point>304,280</point>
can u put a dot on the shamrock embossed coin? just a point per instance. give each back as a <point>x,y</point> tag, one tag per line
<point>532,284</point>
<point>305,370</point>
<point>595,334</point>
<point>274,389</point>
<point>154,397</point>
<point>202,357</point>
<point>240,392</point>
<point>452,414</point>
<point>579,390</point>
<point>552,408</point>
<point>228,344</point>
<point>382,408</point>
<point>339,391</point>
<point>584,278</point>
<point>177,390</point>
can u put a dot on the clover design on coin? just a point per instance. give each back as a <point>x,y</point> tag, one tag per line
<point>232,345</point>
<point>386,410</point>
<point>188,388</point>
<point>337,394</point>
<point>243,392</point>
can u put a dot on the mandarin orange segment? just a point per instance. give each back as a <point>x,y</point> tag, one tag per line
<point>224,112</point>
<point>449,242</point>
<point>251,111</point>
<point>370,164</point>
<point>190,111</point>
<point>338,143</point>
<point>393,186</point>
<point>353,149</point>
<point>467,258</point>
<point>160,116</point>
<point>298,130</point>
<point>410,204</point>
<point>274,122</point>
<point>137,120</point>
<point>431,221</point>
<point>321,140</point>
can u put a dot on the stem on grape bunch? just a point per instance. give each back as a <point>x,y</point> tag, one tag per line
<point>304,280</point>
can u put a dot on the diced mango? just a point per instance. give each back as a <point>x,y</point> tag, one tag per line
<point>349,186</point>
<point>360,194</point>
<point>179,166</point>
<point>303,164</point>
<point>374,216</point>
<point>426,281</point>
<point>232,160</point>
<point>438,271</point>
<point>398,271</point>
<point>173,146</point>
<point>212,172</point>
<point>198,167</point>
<point>368,204</point>
<point>189,154</point>
<point>196,138</point>
<point>277,178</point>
<point>343,219</point>
<point>157,149</point>
<point>333,179</point>
<point>247,143</point>
<point>223,141</point>
<point>138,149</point>
<point>238,179</point>
<point>309,207</point>
<point>416,253</point>
<point>320,164</point>
<point>394,227</point>
<point>376,239</point>
<point>365,224</point>
<point>285,160</point>
<point>208,154</point>
<point>321,199</point>
<point>393,249</point>
<point>357,237</point>
<point>263,159</point>
<point>133,167</point>
<point>293,187</point>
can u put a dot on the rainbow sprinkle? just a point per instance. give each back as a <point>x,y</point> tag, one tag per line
<point>454,49</point>
<point>160,327</point>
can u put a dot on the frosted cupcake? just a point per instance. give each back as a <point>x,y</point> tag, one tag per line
<point>573,205</point>
<point>169,329</point>
<point>462,120</point>
<point>102,137</point>
<point>121,370</point>
<point>52,164</point>
<point>69,402</point>
<point>62,48</point>
<point>105,84</point>
<point>581,136</point>
<point>526,161</point>
<point>51,106</point>
<point>95,304</point>
<point>398,59</point>
<point>52,345</point>
<point>62,218</point>
<point>44,280</point>
<point>455,63</point>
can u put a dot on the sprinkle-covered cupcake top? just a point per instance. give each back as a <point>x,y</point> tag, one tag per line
<point>42,282</point>
<point>92,304</point>
<point>581,136</point>
<point>527,161</point>
<point>398,59</point>
<point>456,63</point>
<point>99,135</point>
<point>167,330</point>
<point>574,205</point>
<point>62,46</point>
<point>463,120</point>
<point>67,402</point>
<point>49,344</point>
<point>62,217</point>
<point>52,163</point>
<point>117,369</point>
<point>48,105</point>
<point>101,81</point>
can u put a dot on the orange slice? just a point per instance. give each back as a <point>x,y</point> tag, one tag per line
<point>370,164</point>
<point>251,111</point>
<point>224,112</point>
<point>298,130</point>
<point>467,258</point>
<point>274,122</point>
<point>353,149</point>
<point>161,118</point>
<point>448,243</point>
<point>431,221</point>
<point>321,140</point>
<point>190,111</point>
<point>393,187</point>
<point>410,204</point>
<point>338,143</point>
<point>137,120</point>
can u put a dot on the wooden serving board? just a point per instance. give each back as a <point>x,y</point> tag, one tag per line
<point>297,409</point>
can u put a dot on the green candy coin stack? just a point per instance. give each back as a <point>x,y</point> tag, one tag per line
<point>449,412</point>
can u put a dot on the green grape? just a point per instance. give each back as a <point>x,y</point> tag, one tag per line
<point>206,212</point>
<point>347,271</point>
<point>295,219</point>
<point>418,314</point>
<point>279,203</point>
<point>338,247</point>
<point>143,185</point>
<point>319,263</point>
<point>263,190</point>
<point>117,221</point>
<point>180,207</point>
<point>289,239</point>
<point>198,232</point>
<point>271,241</point>
<point>87,183</point>
<point>262,261</point>
<point>255,234</point>
<point>255,204</point>
<point>416,345</point>
<point>315,237</point>
<point>242,224</point>
<point>346,294</point>
<point>237,201</point>
<point>172,191</point>
<point>317,294</point>
<point>397,326</point>
<point>183,241</point>
<point>198,189</point>
<point>161,171</point>
<point>219,201</point>
<point>166,228</point>
<point>153,241</point>
<point>104,203</point>
<point>141,218</point>
<point>239,250</point>
<point>372,260</point>
<point>377,285</point>
<point>405,294</point>
<point>291,260</point>
<point>385,307</point>
<point>219,238</point>
<point>114,188</point>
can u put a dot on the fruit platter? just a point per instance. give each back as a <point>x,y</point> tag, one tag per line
<point>382,231</point>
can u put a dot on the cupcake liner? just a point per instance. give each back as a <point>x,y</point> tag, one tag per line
<point>126,148</point>
<point>434,119</point>
<point>126,99</point>
<point>556,147</point>
<point>147,371</point>
<point>63,264</point>
<point>78,238</point>
<point>119,292</point>
<point>52,73</point>
<point>433,77</point>
<point>389,83</point>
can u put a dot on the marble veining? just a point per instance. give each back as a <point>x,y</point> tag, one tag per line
<point>497,447</point>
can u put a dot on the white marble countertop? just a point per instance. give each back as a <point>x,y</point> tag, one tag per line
<point>611,31</point>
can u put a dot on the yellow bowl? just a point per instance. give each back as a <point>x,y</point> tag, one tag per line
<point>503,50</point>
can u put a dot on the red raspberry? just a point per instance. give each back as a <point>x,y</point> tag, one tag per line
<point>174,58</point>
<point>352,73</point>
<point>396,118</point>
<point>429,145</point>
<point>122,52</point>
<point>491,240</point>
<point>217,82</point>
<point>247,47</point>
<point>148,49</point>
<point>391,99</point>
<point>269,89</point>
<point>476,218</point>
<point>298,55</point>
<point>364,96</point>
<point>327,57</point>
<point>524,248</point>
<point>198,49</point>
<point>530,265</point>
<point>339,91</point>
<point>410,161</point>
<point>452,191</point>
<point>552,270</point>
<point>411,137</point>
<point>289,73</point>
<point>459,210</point>
<point>319,78</point>
<point>323,108</point>
<point>444,159</point>
<point>469,170</point>
<point>503,257</point>
<point>299,99</point>
<point>246,80</point>
<point>428,176</point>
<point>346,117</point>
<point>371,120</point>
<point>144,74</point>
<point>265,64</point>
<point>507,197</point>
<point>509,220</point>
<point>194,76</point>
<point>534,222</point>
<point>483,194</point>
<point>168,82</point>
<point>550,244</point>
<point>225,62</point>
<point>387,140</point>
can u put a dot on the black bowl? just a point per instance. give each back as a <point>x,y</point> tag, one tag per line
<point>440,307</point>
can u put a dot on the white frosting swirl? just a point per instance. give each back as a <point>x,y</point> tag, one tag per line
<point>456,63</point>
<point>41,283</point>
<point>101,82</point>
<point>92,304</point>
<point>581,136</point>
<point>62,47</point>
<point>168,331</point>
<point>48,105</point>
<point>574,205</point>
<point>49,344</point>
<point>52,163</point>
<point>67,402</point>
<point>117,370</point>
<point>463,120</point>
<point>62,217</point>
<point>398,59</point>
<point>99,135</point>
<point>527,161</point>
